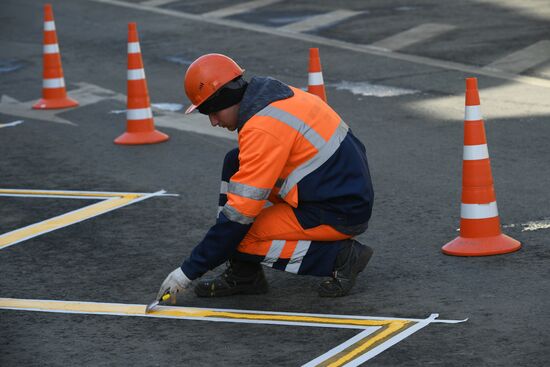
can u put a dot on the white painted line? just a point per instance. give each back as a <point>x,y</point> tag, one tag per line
<point>11,106</point>
<point>392,341</point>
<point>532,225</point>
<point>334,351</point>
<point>366,49</point>
<point>321,20</point>
<point>239,8</point>
<point>523,59</point>
<point>157,2</point>
<point>414,35</point>
<point>71,194</point>
<point>9,124</point>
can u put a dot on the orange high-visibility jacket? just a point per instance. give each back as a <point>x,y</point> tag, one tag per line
<point>292,147</point>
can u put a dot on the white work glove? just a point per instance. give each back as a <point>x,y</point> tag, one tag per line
<point>174,283</point>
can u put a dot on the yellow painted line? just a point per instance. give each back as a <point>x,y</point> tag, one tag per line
<point>376,336</point>
<point>369,342</point>
<point>182,312</point>
<point>111,201</point>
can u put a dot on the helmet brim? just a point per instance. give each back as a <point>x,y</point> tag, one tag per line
<point>191,108</point>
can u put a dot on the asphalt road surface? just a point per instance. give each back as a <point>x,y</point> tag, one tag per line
<point>394,71</point>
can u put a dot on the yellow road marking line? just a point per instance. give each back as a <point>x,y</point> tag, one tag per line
<point>184,312</point>
<point>377,334</point>
<point>387,329</point>
<point>110,201</point>
<point>370,341</point>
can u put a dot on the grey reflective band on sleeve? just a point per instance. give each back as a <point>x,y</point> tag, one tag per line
<point>247,191</point>
<point>235,216</point>
<point>323,155</point>
<point>304,129</point>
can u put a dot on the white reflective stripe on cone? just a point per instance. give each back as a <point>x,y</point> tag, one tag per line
<point>53,83</point>
<point>49,26</point>
<point>315,78</point>
<point>51,49</point>
<point>479,211</point>
<point>133,48</point>
<point>475,152</point>
<point>136,74</point>
<point>139,114</point>
<point>472,113</point>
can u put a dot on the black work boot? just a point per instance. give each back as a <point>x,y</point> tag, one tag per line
<point>351,260</point>
<point>238,278</point>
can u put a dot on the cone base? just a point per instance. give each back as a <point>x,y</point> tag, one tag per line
<point>482,246</point>
<point>53,104</point>
<point>149,137</point>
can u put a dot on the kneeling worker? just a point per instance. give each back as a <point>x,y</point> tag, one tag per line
<point>296,152</point>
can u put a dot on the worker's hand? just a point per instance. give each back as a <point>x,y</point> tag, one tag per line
<point>174,283</point>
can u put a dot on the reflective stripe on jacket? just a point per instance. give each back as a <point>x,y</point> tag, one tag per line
<point>295,147</point>
<point>281,144</point>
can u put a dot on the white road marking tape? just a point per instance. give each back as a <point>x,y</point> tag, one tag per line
<point>331,353</point>
<point>109,203</point>
<point>10,124</point>
<point>414,35</point>
<point>523,59</point>
<point>391,342</point>
<point>172,107</point>
<point>377,334</point>
<point>372,90</point>
<point>239,8</point>
<point>366,49</point>
<point>321,20</point>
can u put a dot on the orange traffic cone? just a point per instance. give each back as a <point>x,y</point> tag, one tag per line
<point>315,83</point>
<point>480,233</point>
<point>140,126</point>
<point>54,94</point>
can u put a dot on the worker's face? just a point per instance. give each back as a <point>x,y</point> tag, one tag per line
<point>226,118</point>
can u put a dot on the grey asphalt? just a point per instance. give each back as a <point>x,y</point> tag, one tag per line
<point>415,159</point>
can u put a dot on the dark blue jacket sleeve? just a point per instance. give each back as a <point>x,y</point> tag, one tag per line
<point>218,244</point>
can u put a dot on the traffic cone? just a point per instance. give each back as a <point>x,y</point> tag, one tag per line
<point>480,233</point>
<point>54,94</point>
<point>315,83</point>
<point>140,126</point>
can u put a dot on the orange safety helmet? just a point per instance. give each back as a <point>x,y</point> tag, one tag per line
<point>206,75</point>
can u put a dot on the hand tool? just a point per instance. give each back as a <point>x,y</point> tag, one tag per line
<point>155,303</point>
